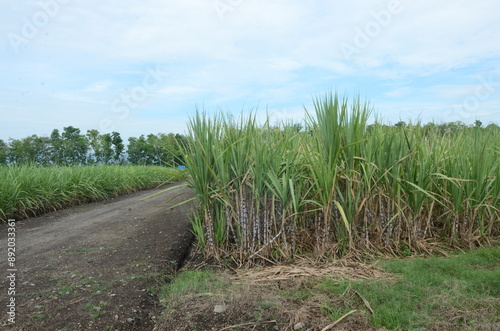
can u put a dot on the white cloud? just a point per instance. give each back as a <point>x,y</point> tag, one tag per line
<point>177,90</point>
<point>283,64</point>
<point>98,87</point>
<point>275,54</point>
<point>399,92</point>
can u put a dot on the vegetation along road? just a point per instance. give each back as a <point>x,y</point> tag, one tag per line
<point>95,266</point>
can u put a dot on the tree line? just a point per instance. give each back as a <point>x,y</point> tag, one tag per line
<point>71,147</point>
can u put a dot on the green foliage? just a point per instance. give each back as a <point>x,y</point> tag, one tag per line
<point>161,149</point>
<point>339,186</point>
<point>4,148</point>
<point>107,149</point>
<point>29,150</point>
<point>57,148</point>
<point>118,146</point>
<point>94,148</point>
<point>29,190</point>
<point>75,146</point>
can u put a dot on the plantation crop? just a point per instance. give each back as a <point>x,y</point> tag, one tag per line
<point>29,190</point>
<point>339,186</point>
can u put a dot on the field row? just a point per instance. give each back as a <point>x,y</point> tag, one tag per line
<point>337,186</point>
<point>26,191</point>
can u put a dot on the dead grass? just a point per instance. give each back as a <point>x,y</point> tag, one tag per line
<point>251,306</point>
<point>341,269</point>
<point>244,307</point>
<point>266,298</point>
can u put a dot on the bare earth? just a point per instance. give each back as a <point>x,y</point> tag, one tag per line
<point>95,267</point>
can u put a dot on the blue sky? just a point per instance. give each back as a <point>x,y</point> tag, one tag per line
<point>140,67</point>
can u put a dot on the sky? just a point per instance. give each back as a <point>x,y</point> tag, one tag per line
<point>141,67</point>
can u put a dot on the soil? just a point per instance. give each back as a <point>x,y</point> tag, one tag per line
<point>96,266</point>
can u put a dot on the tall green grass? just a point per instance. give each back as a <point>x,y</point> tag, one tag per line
<point>29,190</point>
<point>339,186</point>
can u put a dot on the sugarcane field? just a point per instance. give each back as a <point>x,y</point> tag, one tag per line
<point>232,165</point>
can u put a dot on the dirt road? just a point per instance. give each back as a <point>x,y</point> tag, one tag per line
<point>95,267</point>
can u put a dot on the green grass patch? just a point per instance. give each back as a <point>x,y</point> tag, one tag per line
<point>44,293</point>
<point>96,311</point>
<point>191,283</point>
<point>66,290</point>
<point>458,292</point>
<point>40,315</point>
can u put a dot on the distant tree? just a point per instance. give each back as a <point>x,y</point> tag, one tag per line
<point>153,150</point>
<point>4,150</point>
<point>56,148</point>
<point>478,124</point>
<point>137,150</point>
<point>29,150</point>
<point>75,146</point>
<point>430,128</point>
<point>16,154</point>
<point>118,146</point>
<point>132,156</point>
<point>297,127</point>
<point>452,127</point>
<point>181,142</point>
<point>161,149</point>
<point>107,148</point>
<point>95,150</point>
<point>167,149</point>
<point>492,127</point>
<point>400,124</point>
<point>41,147</point>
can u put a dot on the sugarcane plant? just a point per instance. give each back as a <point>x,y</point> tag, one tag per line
<point>338,186</point>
